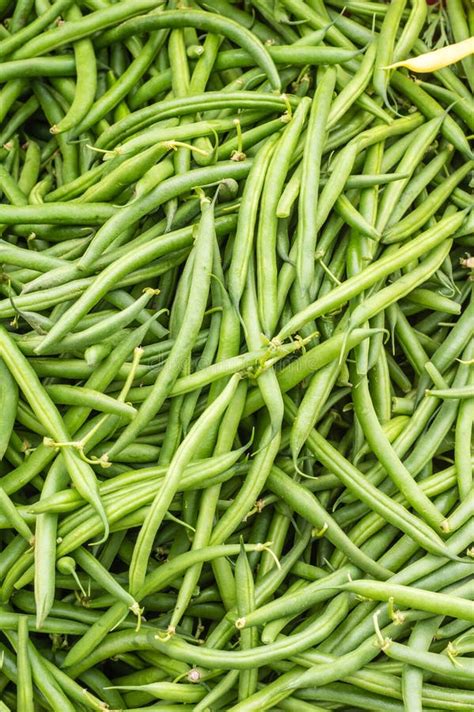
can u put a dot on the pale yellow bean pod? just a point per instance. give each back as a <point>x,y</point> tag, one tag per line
<point>439,58</point>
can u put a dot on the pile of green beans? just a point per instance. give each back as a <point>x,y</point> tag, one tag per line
<point>236,357</point>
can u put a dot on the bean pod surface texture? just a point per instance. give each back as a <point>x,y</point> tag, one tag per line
<point>236,355</point>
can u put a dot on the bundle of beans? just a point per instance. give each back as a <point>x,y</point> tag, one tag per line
<point>236,355</point>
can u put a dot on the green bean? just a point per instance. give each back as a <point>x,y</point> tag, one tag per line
<point>75,30</point>
<point>418,217</point>
<point>430,108</point>
<point>244,18</point>
<point>38,67</point>
<point>345,160</point>
<point>68,611</point>
<point>460,30</point>
<point>209,499</point>
<point>11,552</point>
<point>376,500</point>
<point>183,343</point>
<point>245,603</point>
<point>18,256</point>
<point>385,47</point>
<point>311,166</point>
<point>155,581</point>
<point>30,169</point>
<point>308,506</point>
<point>263,589</point>
<point>243,240</point>
<point>68,500</point>
<point>412,680</point>
<point>76,187</point>
<point>98,331</point>
<point>150,89</point>
<point>408,575</point>
<point>16,520</point>
<point>48,298</point>
<point>461,448</point>
<point>172,108</point>
<point>422,138</point>
<point>286,54</point>
<point>204,21</point>
<point>46,683</point>
<point>411,31</point>
<point>178,649</point>
<point>85,62</point>
<point>383,689</point>
<point>101,576</point>
<point>73,689</point>
<point>380,384</point>
<point>18,118</point>
<point>349,695</point>
<point>123,266</point>
<point>257,475</point>
<point>407,339</point>
<point>125,173</point>
<point>353,89</point>
<point>163,499</point>
<point>452,393</point>
<point>409,436</point>
<point>100,108</point>
<point>10,621</point>
<point>169,691</point>
<point>272,629</point>
<point>417,183</point>
<point>309,411</point>
<point>121,300</point>
<point>246,660</point>
<point>380,445</point>
<point>45,548</point>
<point>437,603</point>
<point>80,473</point>
<point>72,395</point>
<point>266,267</point>
<point>372,522</point>
<point>432,662</point>
<point>119,509</point>
<point>16,39</point>
<point>460,104</point>
<point>8,405</point>
<point>385,265</point>
<point>20,14</point>
<point>315,20</point>
<point>452,346</point>
<point>54,113</point>
<point>73,420</point>
<point>9,94</point>
<point>317,357</point>
<point>57,214</point>
<point>152,200</point>
<point>24,683</point>
<point>435,302</point>
<point>266,379</point>
<point>10,188</point>
<point>317,675</point>
<point>352,217</point>
<point>291,191</point>
<point>217,693</point>
<point>441,423</point>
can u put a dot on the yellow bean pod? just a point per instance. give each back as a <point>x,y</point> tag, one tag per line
<point>439,58</point>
